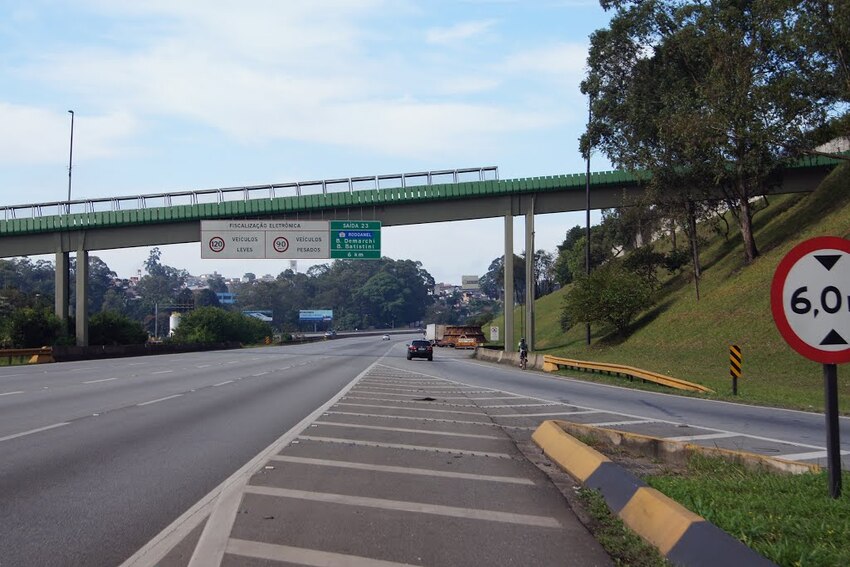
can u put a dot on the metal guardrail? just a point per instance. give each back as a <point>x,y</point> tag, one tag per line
<point>299,188</point>
<point>36,355</point>
<point>552,363</point>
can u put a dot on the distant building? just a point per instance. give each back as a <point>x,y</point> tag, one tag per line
<point>226,298</point>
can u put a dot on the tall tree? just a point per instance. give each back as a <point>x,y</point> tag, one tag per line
<point>702,94</point>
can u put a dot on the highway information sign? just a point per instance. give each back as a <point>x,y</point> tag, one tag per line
<point>810,299</point>
<point>260,239</point>
<point>356,240</point>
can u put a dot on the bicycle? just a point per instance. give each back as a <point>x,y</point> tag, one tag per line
<point>523,359</point>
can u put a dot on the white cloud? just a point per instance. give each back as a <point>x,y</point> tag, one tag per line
<point>458,32</point>
<point>33,135</point>
<point>566,60</point>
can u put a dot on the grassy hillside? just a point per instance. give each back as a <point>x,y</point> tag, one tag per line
<point>690,339</point>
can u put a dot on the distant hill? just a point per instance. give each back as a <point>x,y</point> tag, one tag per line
<point>690,339</point>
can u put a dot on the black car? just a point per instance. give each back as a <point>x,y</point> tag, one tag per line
<point>420,349</point>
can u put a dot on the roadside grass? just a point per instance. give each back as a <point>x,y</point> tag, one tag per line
<point>690,339</point>
<point>790,519</point>
<point>623,545</point>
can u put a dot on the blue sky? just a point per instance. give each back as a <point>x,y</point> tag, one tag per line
<point>181,95</point>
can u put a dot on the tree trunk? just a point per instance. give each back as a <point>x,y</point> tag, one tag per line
<point>692,235</point>
<point>746,221</point>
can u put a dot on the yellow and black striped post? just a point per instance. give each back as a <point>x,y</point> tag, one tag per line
<point>735,363</point>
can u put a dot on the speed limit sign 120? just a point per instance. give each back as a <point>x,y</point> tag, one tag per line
<point>810,299</point>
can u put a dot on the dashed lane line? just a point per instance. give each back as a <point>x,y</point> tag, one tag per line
<point>12,393</point>
<point>223,383</point>
<point>98,381</point>
<point>31,431</point>
<point>159,400</point>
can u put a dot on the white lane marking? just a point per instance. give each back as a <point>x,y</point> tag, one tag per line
<point>12,393</point>
<point>101,380</point>
<point>137,364</point>
<point>613,423</point>
<point>418,395</point>
<point>808,456</point>
<point>302,556</point>
<point>414,417</point>
<point>31,431</point>
<point>411,409</point>
<point>159,400</point>
<point>523,405</point>
<point>417,507</point>
<point>676,423</point>
<point>258,375</point>
<point>10,375</point>
<point>222,503</point>
<point>223,383</point>
<point>548,413</point>
<point>404,446</point>
<point>401,470</point>
<point>349,397</point>
<point>162,372</point>
<point>402,430</point>
<point>203,365</point>
<point>233,362</point>
<point>703,437</point>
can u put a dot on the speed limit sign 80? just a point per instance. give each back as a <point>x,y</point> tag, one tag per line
<point>810,299</point>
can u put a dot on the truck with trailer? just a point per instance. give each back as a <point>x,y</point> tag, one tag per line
<point>456,336</point>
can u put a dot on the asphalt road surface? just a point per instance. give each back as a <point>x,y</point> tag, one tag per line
<point>98,457</point>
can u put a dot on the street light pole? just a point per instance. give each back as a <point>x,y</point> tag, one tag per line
<point>70,159</point>
<point>587,204</point>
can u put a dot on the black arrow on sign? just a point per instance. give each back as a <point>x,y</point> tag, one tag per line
<point>833,338</point>
<point>828,260</point>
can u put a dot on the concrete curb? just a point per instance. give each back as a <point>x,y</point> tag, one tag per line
<point>683,537</point>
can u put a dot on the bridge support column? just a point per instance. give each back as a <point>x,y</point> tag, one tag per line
<point>62,288</point>
<point>509,283</point>
<point>81,308</point>
<point>529,276</point>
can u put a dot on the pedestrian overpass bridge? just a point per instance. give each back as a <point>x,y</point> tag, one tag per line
<point>108,223</point>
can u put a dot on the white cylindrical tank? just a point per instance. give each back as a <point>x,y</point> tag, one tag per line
<point>173,322</point>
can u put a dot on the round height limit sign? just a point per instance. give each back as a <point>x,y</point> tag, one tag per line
<point>810,299</point>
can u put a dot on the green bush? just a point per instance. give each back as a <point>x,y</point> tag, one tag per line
<point>610,294</point>
<point>32,328</point>
<point>214,325</point>
<point>113,328</point>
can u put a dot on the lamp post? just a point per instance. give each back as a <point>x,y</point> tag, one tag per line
<point>587,204</point>
<point>70,159</point>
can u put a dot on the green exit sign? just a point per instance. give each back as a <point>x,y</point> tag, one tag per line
<point>356,240</point>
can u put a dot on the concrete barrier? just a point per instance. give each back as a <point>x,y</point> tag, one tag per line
<point>683,537</point>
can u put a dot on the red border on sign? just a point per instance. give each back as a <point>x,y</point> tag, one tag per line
<point>778,283</point>
<point>211,241</point>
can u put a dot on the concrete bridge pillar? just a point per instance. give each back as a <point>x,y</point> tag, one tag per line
<point>82,311</point>
<point>509,282</point>
<point>62,289</point>
<point>529,276</point>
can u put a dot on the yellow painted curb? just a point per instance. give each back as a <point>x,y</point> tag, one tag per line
<point>568,452</point>
<point>658,519</point>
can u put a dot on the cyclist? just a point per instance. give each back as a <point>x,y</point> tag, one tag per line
<point>523,352</point>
